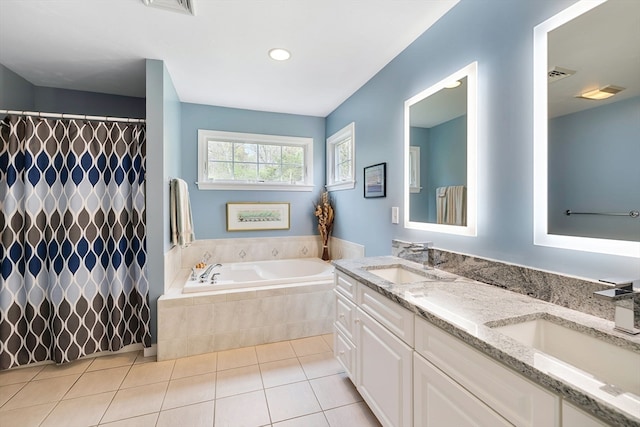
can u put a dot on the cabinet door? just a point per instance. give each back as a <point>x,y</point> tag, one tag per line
<point>344,351</point>
<point>384,372</point>
<point>440,401</point>
<point>574,417</point>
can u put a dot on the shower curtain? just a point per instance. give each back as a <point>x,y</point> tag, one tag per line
<point>73,275</point>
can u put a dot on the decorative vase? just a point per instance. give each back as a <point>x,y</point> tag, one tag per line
<point>325,253</point>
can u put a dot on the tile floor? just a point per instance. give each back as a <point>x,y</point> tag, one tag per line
<point>285,384</point>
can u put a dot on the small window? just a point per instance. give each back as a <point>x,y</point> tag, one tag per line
<point>414,169</point>
<point>341,163</point>
<point>245,161</point>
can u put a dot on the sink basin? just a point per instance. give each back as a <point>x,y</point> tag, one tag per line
<point>616,367</point>
<point>398,275</point>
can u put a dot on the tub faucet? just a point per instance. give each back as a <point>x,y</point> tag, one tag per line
<point>623,297</point>
<point>205,276</point>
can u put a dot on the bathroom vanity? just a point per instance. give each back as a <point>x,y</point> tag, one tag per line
<point>430,348</point>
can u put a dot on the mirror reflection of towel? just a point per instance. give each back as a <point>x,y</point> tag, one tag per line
<point>180,213</point>
<point>451,204</point>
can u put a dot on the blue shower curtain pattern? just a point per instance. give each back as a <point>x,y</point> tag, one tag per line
<point>73,275</point>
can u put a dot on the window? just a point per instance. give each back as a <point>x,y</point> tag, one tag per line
<point>246,161</point>
<point>341,163</point>
<point>414,169</point>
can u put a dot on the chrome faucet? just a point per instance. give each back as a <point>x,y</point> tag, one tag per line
<point>205,275</point>
<point>623,297</point>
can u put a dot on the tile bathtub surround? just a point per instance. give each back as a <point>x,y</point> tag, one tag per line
<point>566,291</point>
<point>194,324</point>
<point>468,310</point>
<point>281,387</point>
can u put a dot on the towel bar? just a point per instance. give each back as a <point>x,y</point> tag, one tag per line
<point>632,214</point>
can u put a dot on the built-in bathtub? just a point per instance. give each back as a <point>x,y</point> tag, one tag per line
<point>251,303</point>
<point>259,274</point>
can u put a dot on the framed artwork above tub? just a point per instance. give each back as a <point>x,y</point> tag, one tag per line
<point>252,216</point>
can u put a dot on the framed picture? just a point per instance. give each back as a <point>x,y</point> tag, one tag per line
<point>251,216</point>
<point>375,178</point>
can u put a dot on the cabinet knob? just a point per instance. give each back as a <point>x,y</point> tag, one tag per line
<point>357,320</point>
<point>341,316</point>
<point>341,352</point>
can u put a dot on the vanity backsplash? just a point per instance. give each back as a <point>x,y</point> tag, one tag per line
<point>565,291</point>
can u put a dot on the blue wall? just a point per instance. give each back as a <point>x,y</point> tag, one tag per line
<point>420,203</point>
<point>209,206</point>
<point>499,35</point>
<point>16,93</point>
<point>595,167</point>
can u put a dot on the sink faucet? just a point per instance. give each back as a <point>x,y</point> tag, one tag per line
<point>205,276</point>
<point>622,295</point>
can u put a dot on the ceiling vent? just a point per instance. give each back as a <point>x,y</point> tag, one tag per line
<point>559,73</point>
<point>180,6</point>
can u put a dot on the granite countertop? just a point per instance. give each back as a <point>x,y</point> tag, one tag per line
<point>469,309</point>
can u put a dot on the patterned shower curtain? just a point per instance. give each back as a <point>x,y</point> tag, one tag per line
<point>73,274</point>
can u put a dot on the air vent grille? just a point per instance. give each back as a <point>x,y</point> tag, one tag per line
<point>180,6</point>
<point>559,73</point>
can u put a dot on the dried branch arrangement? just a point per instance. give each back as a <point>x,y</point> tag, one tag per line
<point>324,213</point>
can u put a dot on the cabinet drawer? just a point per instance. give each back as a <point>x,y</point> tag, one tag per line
<point>392,316</point>
<point>515,398</point>
<point>345,314</point>
<point>574,417</point>
<point>346,285</point>
<point>344,351</point>
<point>440,401</point>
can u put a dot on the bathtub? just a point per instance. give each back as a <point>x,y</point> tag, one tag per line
<point>257,274</point>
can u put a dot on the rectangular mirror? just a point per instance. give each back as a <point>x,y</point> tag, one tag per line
<point>440,156</point>
<point>586,127</point>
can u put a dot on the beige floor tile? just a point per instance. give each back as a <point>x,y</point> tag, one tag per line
<point>275,351</point>
<point>141,421</point>
<point>195,365</point>
<point>81,412</point>
<point>310,345</point>
<point>8,391</point>
<point>354,415</point>
<point>26,417</point>
<point>198,415</point>
<point>95,382</point>
<point>314,420</point>
<point>148,373</point>
<point>19,375</point>
<point>42,391</point>
<point>238,380</point>
<point>328,338</point>
<point>243,410</point>
<point>320,365</point>
<point>237,358</point>
<point>189,390</point>
<point>136,401</point>
<point>281,372</point>
<point>334,391</point>
<point>113,361</point>
<point>291,400</point>
<point>52,371</point>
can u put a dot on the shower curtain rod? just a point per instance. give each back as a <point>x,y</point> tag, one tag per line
<point>72,116</point>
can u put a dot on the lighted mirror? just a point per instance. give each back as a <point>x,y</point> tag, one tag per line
<point>440,156</point>
<point>586,127</point>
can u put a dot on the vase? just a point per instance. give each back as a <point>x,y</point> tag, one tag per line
<point>325,253</point>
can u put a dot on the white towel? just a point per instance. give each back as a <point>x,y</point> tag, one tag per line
<point>180,213</point>
<point>441,205</point>
<point>451,205</point>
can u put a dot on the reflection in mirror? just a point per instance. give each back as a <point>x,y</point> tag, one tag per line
<point>440,156</point>
<point>586,150</point>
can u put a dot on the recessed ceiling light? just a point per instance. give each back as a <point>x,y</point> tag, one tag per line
<point>279,54</point>
<point>453,84</point>
<point>602,93</point>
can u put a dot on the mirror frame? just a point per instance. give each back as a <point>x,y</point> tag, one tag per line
<point>541,236</point>
<point>471,73</point>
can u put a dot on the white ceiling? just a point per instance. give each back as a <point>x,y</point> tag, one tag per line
<point>603,47</point>
<point>219,57</point>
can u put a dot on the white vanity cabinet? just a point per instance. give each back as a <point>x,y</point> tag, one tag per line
<point>574,417</point>
<point>378,362</point>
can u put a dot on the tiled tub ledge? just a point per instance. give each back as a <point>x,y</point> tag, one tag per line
<point>464,308</point>
<point>191,324</point>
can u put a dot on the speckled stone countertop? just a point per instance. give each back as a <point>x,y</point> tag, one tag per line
<point>469,309</point>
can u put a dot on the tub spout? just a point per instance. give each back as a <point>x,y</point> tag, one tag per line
<point>205,276</point>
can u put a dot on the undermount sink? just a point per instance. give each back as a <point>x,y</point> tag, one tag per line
<point>616,367</point>
<point>398,275</point>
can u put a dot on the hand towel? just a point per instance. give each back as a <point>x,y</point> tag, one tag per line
<point>180,213</point>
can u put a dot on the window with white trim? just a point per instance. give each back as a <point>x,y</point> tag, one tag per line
<point>341,162</point>
<point>247,161</point>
